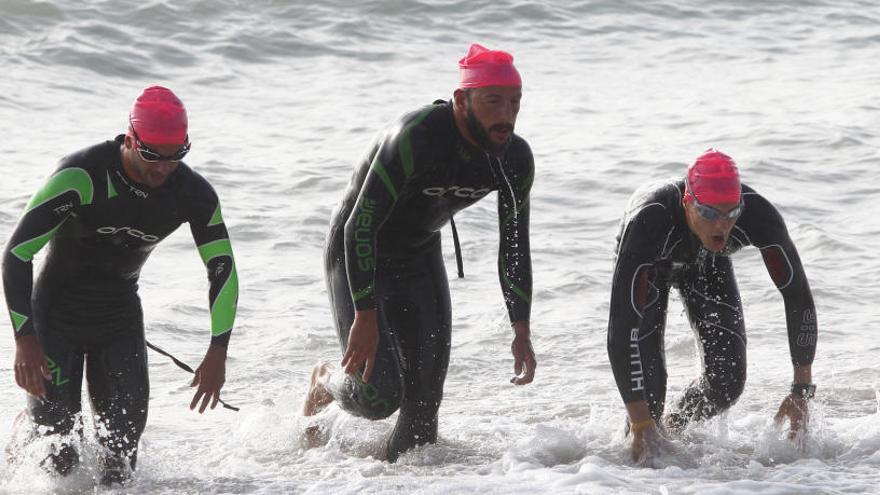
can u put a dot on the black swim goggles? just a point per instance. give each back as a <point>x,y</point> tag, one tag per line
<point>150,155</point>
<point>712,213</point>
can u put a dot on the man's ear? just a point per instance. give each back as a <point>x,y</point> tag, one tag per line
<point>459,97</point>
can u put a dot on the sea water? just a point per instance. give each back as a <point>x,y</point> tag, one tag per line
<point>283,99</point>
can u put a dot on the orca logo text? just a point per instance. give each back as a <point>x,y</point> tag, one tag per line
<point>130,231</point>
<point>461,192</point>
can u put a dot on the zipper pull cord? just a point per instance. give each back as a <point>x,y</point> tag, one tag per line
<point>458,260</point>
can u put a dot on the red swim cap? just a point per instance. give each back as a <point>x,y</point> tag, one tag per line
<point>159,117</point>
<point>714,179</point>
<point>484,67</point>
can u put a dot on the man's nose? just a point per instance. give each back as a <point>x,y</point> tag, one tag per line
<point>724,223</point>
<point>509,111</point>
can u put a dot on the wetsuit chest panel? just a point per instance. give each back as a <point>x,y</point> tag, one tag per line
<point>125,223</point>
<point>447,188</point>
<point>109,239</point>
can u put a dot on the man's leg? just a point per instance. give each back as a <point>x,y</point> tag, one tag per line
<point>417,310</point>
<point>715,313</point>
<point>120,391</point>
<point>62,403</point>
<point>380,396</point>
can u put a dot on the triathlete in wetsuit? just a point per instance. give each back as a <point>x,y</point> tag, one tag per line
<point>682,234</point>
<point>101,214</point>
<point>385,273</point>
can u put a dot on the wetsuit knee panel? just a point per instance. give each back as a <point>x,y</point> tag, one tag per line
<point>376,400</point>
<point>57,415</point>
<point>724,391</point>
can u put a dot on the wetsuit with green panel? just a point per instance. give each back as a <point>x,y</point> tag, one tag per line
<point>383,252</point>
<point>99,227</point>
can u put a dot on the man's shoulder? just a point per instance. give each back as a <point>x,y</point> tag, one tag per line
<point>753,198</point>
<point>519,157</point>
<point>519,147</point>
<point>92,159</point>
<point>83,170</point>
<point>663,195</point>
<point>759,215</point>
<point>193,184</point>
<point>434,118</point>
<point>426,130</point>
<point>651,217</point>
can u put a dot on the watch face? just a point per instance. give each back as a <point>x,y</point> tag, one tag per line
<point>806,390</point>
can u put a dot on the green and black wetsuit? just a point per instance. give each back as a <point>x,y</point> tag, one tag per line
<point>657,250</point>
<point>100,227</point>
<point>383,252</point>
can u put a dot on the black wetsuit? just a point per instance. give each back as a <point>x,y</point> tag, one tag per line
<point>383,252</point>
<point>100,228</point>
<point>656,250</point>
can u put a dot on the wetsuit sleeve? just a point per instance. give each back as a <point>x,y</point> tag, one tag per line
<point>770,235</point>
<point>514,252</point>
<point>210,235</point>
<point>391,167</point>
<point>44,214</point>
<point>635,290</point>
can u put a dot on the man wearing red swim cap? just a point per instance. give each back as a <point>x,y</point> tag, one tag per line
<point>385,274</point>
<point>102,212</point>
<point>682,233</point>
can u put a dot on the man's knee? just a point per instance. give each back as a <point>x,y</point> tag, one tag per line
<point>724,389</point>
<point>373,402</point>
<point>379,404</point>
<point>59,418</point>
<point>712,394</point>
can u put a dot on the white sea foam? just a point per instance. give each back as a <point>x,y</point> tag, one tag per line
<point>283,98</point>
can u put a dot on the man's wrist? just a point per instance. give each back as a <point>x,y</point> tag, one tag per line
<point>215,348</point>
<point>521,328</point>
<point>803,390</point>
<point>25,338</point>
<point>640,426</point>
<point>365,313</point>
<point>802,373</point>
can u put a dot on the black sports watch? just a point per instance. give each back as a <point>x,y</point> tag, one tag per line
<point>805,390</point>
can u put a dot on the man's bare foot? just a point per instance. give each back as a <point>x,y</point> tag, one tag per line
<point>319,397</point>
<point>22,434</point>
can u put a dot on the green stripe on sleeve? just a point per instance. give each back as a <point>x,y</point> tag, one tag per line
<point>18,320</point>
<point>528,182</point>
<point>383,174</point>
<point>212,249</point>
<point>111,191</point>
<point>406,156</point>
<point>28,249</point>
<point>217,217</point>
<point>69,179</point>
<point>366,291</point>
<point>521,293</point>
<point>223,309</point>
<point>512,286</point>
<point>405,147</point>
